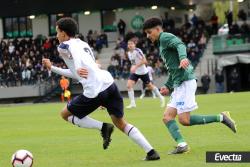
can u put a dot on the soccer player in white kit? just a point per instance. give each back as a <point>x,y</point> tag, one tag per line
<point>139,71</point>
<point>99,89</point>
<point>150,74</point>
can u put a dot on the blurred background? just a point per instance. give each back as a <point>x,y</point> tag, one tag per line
<point>216,33</point>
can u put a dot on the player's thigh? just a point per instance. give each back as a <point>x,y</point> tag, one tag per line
<point>130,84</point>
<point>113,101</point>
<point>169,114</point>
<point>150,86</point>
<point>81,106</point>
<point>133,78</point>
<point>65,113</point>
<point>145,79</point>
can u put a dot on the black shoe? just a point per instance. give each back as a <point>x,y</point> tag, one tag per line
<point>180,150</point>
<point>228,121</point>
<point>106,132</point>
<point>152,156</point>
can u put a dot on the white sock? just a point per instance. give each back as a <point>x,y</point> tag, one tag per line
<point>182,144</point>
<point>134,134</point>
<point>85,122</point>
<point>157,92</point>
<point>131,96</point>
<point>221,117</point>
<point>143,91</point>
<point>153,93</point>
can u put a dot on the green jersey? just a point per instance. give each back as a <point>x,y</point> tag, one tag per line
<point>172,51</point>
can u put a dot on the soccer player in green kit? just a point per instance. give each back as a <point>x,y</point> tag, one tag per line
<point>182,85</point>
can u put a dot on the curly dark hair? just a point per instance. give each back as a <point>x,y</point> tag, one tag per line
<point>151,23</point>
<point>68,25</point>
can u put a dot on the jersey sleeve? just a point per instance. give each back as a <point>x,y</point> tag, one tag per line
<point>169,83</point>
<point>139,53</point>
<point>64,72</point>
<point>63,49</point>
<point>171,41</point>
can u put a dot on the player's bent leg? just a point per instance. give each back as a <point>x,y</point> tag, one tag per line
<point>106,129</point>
<point>224,118</point>
<point>135,135</point>
<point>169,121</point>
<point>131,95</point>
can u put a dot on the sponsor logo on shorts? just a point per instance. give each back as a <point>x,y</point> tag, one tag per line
<point>181,103</point>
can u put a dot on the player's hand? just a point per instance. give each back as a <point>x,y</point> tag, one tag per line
<point>133,69</point>
<point>184,63</point>
<point>47,63</point>
<point>82,72</point>
<point>164,91</point>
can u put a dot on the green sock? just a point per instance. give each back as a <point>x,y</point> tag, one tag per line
<point>174,131</point>
<point>203,119</point>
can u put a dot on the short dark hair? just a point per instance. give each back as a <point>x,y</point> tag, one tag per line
<point>130,36</point>
<point>151,23</point>
<point>68,25</point>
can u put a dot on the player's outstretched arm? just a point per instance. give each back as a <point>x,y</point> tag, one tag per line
<point>47,63</point>
<point>65,72</point>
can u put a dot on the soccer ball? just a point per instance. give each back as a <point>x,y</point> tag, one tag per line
<point>22,158</point>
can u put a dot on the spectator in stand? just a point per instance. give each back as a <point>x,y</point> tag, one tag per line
<point>194,20</point>
<point>104,39</point>
<point>202,42</point>
<point>234,80</point>
<point>3,78</point>
<point>205,80</point>
<point>121,27</point>
<point>214,22</point>
<point>219,82</point>
<point>11,48</point>
<point>47,45</point>
<point>90,39</point>
<point>229,17</point>
<point>114,67</point>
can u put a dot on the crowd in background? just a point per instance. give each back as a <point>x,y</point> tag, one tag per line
<point>194,34</point>
<point>20,59</point>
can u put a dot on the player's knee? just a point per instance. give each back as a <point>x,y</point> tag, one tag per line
<point>184,121</point>
<point>167,117</point>
<point>120,125</point>
<point>64,115</point>
<point>129,87</point>
<point>150,87</point>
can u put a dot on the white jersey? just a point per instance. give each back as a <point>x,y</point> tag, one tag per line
<point>150,72</point>
<point>77,54</point>
<point>135,58</point>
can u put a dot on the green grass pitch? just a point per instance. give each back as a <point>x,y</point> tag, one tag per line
<point>56,143</point>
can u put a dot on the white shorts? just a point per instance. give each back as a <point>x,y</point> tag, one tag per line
<point>183,97</point>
